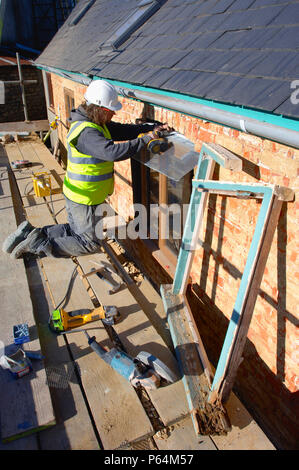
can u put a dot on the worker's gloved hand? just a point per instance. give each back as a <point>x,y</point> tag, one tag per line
<point>163,128</point>
<point>155,143</point>
<point>148,137</point>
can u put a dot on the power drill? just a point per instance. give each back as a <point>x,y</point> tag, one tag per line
<point>158,144</point>
<point>62,321</point>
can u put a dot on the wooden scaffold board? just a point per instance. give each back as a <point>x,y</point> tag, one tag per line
<point>111,400</point>
<point>26,405</point>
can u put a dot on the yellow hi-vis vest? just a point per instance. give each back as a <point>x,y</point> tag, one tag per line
<point>87,180</point>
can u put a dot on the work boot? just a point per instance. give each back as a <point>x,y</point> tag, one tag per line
<point>17,236</point>
<point>28,245</point>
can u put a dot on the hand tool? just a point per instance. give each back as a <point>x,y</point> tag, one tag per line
<point>158,143</point>
<point>20,164</point>
<point>53,126</point>
<point>114,287</point>
<point>152,361</point>
<point>101,272</point>
<point>137,372</point>
<point>62,321</point>
<point>109,315</point>
<point>18,364</point>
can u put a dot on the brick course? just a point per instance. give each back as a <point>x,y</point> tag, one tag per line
<point>267,379</point>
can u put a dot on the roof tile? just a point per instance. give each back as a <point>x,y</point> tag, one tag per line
<point>243,52</point>
<point>289,15</point>
<point>165,58</point>
<point>288,108</point>
<point>159,78</point>
<point>181,79</point>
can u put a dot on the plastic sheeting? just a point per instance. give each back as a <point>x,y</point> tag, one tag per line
<point>176,162</point>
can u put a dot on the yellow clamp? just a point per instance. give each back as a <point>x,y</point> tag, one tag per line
<point>53,126</point>
<point>54,123</point>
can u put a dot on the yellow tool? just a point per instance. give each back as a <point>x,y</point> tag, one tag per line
<point>53,126</point>
<point>157,144</point>
<point>62,321</point>
<point>42,183</point>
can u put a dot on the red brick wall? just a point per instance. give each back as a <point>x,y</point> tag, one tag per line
<point>268,378</point>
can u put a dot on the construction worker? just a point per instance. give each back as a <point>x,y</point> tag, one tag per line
<point>89,176</point>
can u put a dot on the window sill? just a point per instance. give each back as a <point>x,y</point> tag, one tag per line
<point>160,257</point>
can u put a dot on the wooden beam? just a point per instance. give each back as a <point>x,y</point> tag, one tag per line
<point>17,82</point>
<point>207,419</point>
<point>234,342</point>
<point>182,437</point>
<point>182,325</point>
<point>222,156</point>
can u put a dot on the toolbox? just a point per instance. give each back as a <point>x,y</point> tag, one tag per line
<point>18,364</point>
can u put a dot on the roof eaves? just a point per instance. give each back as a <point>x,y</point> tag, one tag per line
<point>288,123</point>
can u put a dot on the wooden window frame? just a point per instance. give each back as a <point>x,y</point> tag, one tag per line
<point>165,256</point>
<point>218,386</point>
<point>68,95</point>
<point>163,199</point>
<point>50,92</point>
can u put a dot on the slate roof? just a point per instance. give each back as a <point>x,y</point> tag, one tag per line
<point>241,52</point>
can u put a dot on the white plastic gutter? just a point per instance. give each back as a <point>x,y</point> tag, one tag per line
<point>191,106</point>
<point>252,126</point>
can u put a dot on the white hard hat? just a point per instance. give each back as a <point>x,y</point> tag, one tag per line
<point>103,94</point>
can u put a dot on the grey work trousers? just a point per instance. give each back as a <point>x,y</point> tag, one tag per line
<point>77,237</point>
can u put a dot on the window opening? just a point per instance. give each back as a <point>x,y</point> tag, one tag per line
<point>177,196</point>
<point>145,9</point>
<point>167,183</point>
<point>50,90</point>
<point>69,101</point>
<point>165,227</point>
<point>81,13</point>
